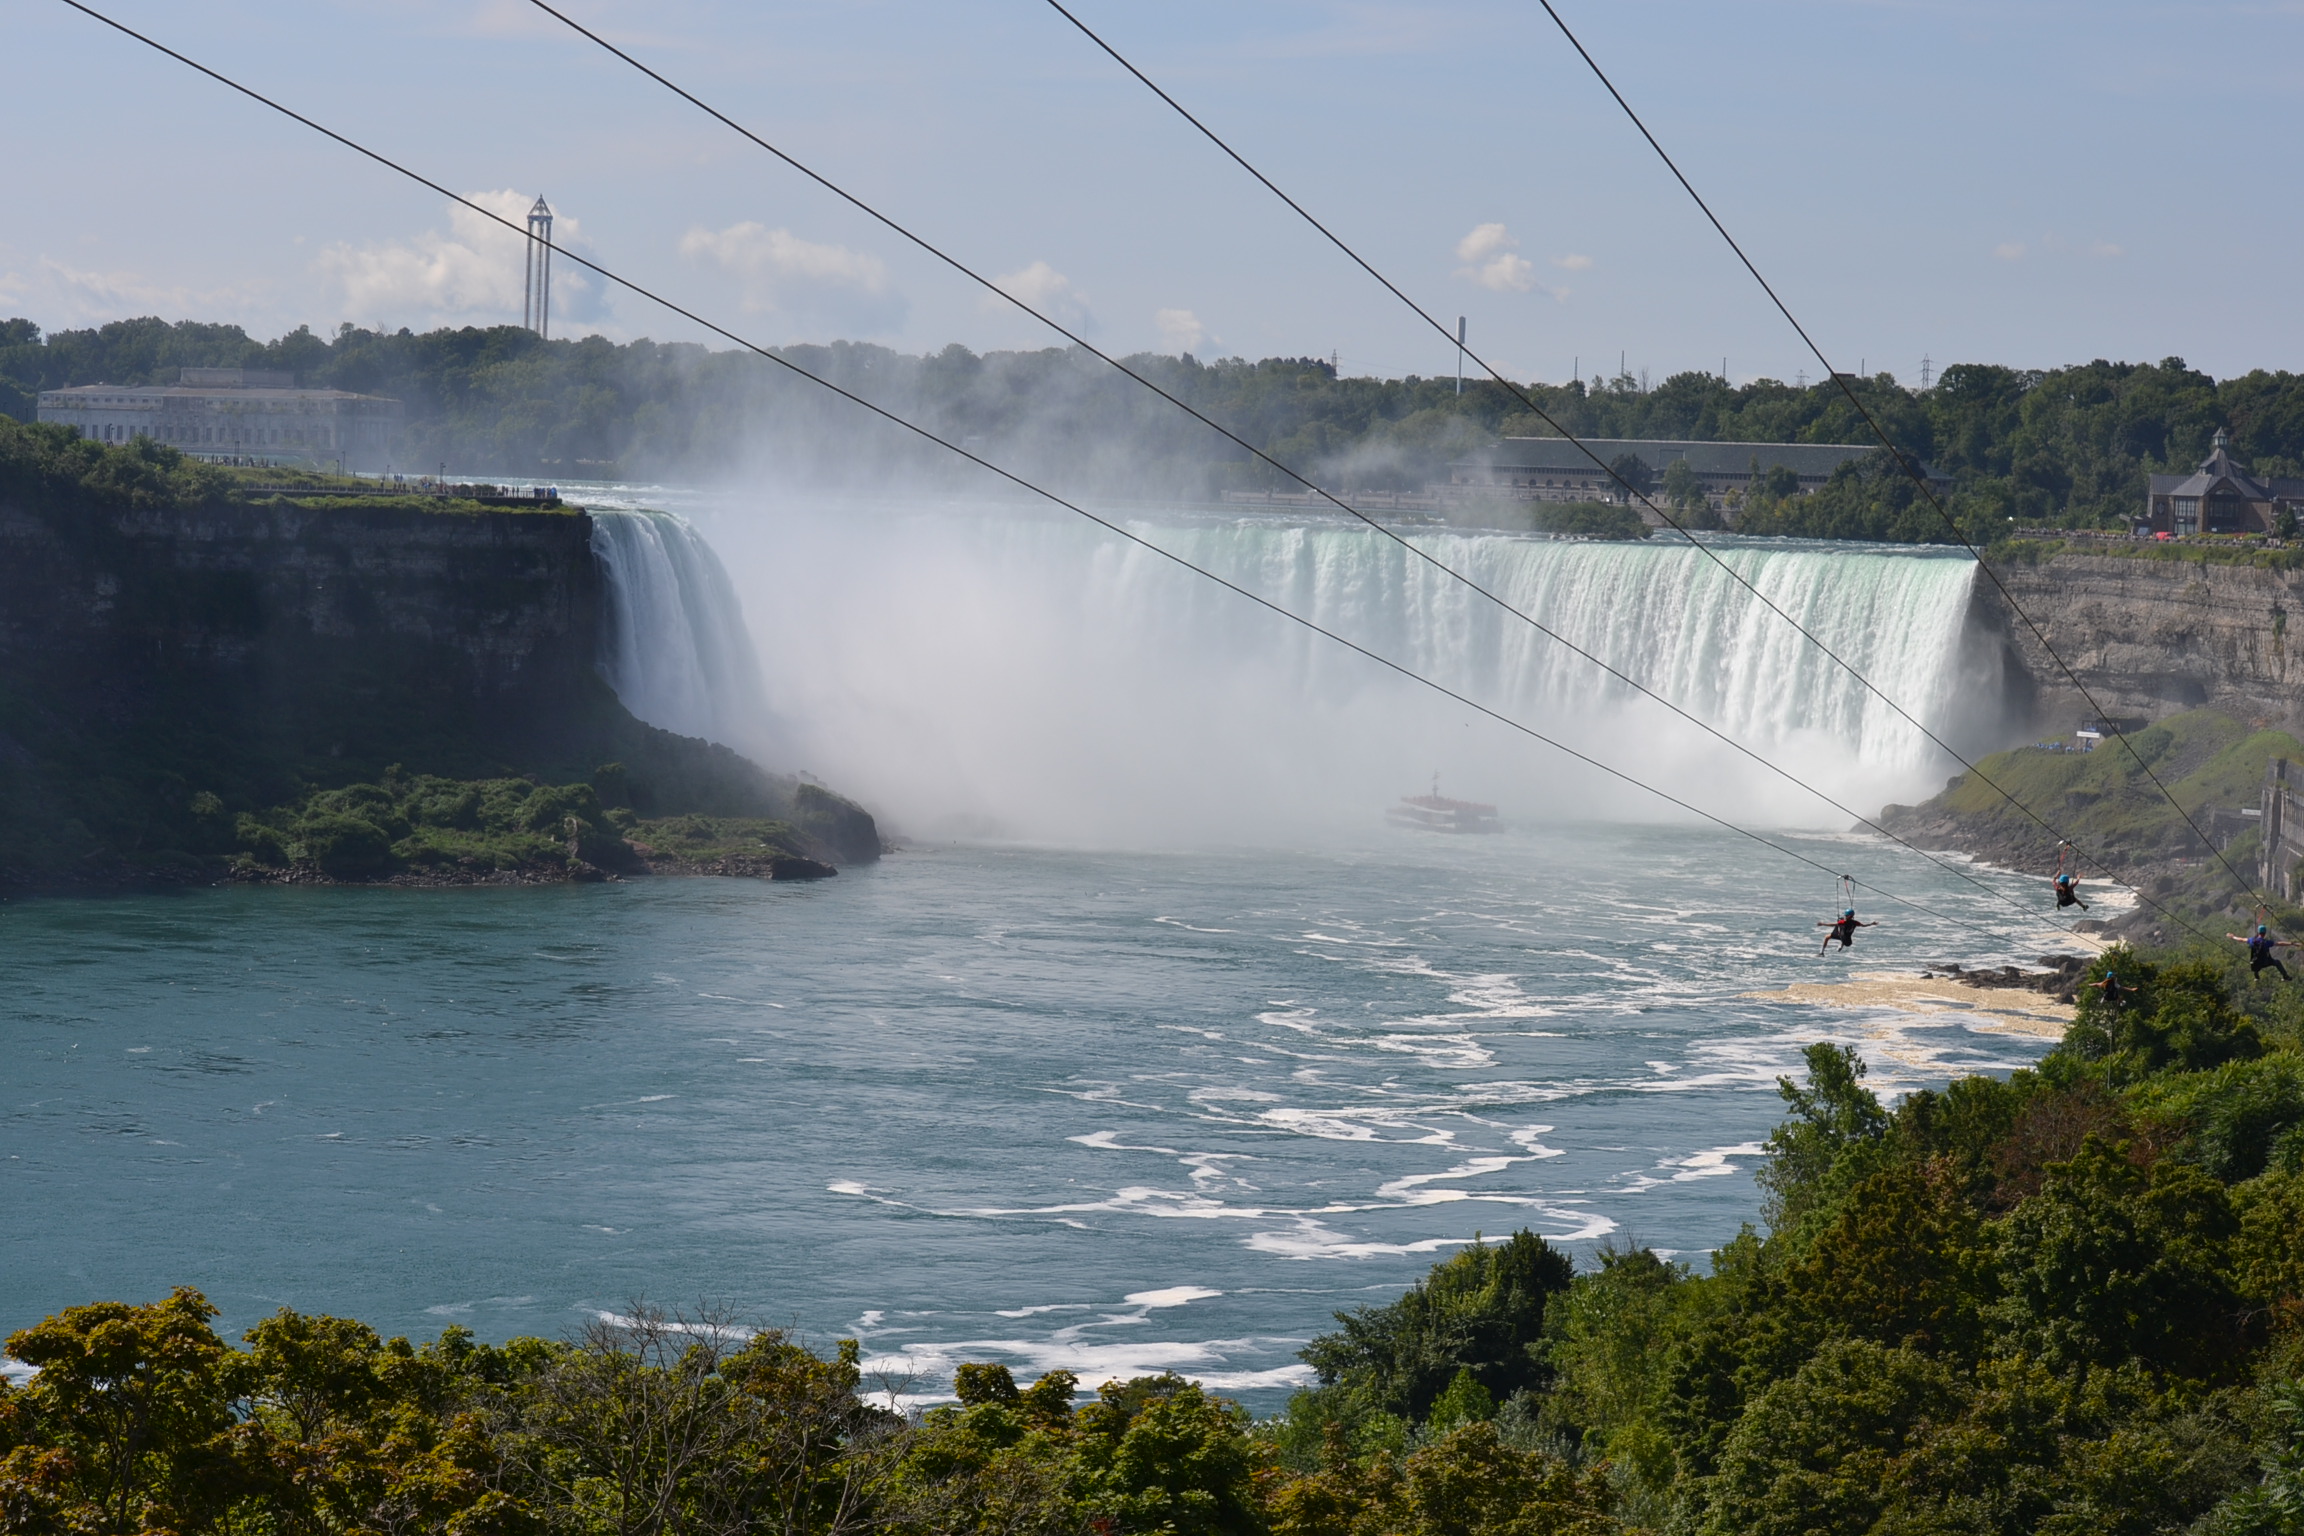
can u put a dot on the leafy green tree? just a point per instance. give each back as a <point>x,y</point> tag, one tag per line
<point>1904,1261</point>
<point>136,1404</point>
<point>1157,1454</point>
<point>2111,1262</point>
<point>1822,1452</point>
<point>1481,1311</point>
<point>1836,1128</point>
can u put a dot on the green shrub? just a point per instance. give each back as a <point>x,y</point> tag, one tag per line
<point>260,842</point>
<point>346,846</point>
<point>1588,519</point>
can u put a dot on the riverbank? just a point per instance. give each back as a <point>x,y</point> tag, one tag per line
<point>2016,807</point>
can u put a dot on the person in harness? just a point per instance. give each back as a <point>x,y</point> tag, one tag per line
<point>2068,894</point>
<point>2114,993</point>
<point>2260,957</point>
<point>1844,929</point>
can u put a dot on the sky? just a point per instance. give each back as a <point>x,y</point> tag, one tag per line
<point>2008,181</point>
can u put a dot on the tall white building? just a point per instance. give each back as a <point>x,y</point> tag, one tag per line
<point>236,413</point>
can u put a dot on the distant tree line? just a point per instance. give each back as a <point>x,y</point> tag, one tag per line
<point>2066,447</point>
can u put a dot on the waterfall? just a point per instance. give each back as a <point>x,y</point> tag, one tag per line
<point>675,647</point>
<point>999,669</point>
<point>1659,612</point>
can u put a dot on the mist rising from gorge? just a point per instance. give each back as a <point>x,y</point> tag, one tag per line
<point>979,670</point>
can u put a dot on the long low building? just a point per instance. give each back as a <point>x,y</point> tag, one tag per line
<point>1555,469</point>
<point>236,413</point>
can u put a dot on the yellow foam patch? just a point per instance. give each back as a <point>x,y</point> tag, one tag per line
<point>1993,1009</point>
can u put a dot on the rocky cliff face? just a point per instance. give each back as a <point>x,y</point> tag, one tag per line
<point>2151,637</point>
<point>343,633</point>
<point>153,659</point>
<point>512,597</point>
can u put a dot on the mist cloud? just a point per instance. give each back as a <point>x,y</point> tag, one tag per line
<point>1489,258</point>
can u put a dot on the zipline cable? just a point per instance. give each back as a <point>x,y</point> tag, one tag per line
<point>1629,489</point>
<point>1013,478</point>
<point>1417,551</point>
<point>1903,461</point>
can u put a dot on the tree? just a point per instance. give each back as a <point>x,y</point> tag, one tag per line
<point>2111,1262</point>
<point>138,1401</point>
<point>1691,503</point>
<point>1481,1311</point>
<point>1633,475</point>
<point>1834,1117</point>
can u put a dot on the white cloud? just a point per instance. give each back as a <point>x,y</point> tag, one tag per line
<point>1484,241</point>
<point>2011,251</point>
<point>117,293</point>
<point>2107,250</point>
<point>771,258</point>
<point>1046,290</point>
<point>1489,260</point>
<point>1573,263</point>
<point>1180,330</point>
<point>780,272</point>
<point>72,295</point>
<point>473,272</point>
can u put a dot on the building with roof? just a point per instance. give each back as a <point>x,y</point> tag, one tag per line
<point>244,414</point>
<point>2219,497</point>
<point>1556,469</point>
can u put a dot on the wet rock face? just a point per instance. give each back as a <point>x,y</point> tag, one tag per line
<point>2150,637</point>
<point>2059,980</point>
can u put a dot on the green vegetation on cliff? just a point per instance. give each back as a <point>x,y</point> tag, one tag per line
<point>2068,1302</point>
<point>2065,447</point>
<point>2212,764</point>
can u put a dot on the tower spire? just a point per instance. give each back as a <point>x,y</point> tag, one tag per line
<point>536,286</point>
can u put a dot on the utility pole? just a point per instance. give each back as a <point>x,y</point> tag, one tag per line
<point>536,288</point>
<point>1927,366</point>
<point>1459,354</point>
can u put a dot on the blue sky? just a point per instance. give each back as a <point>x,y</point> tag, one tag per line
<point>2032,183</point>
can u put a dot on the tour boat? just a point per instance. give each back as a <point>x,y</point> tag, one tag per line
<point>1435,812</point>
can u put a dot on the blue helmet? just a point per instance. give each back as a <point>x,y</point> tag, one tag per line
<point>1851,912</point>
<point>2260,928</point>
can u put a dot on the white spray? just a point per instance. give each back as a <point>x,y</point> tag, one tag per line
<point>973,669</point>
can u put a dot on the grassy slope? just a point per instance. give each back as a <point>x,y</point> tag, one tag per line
<point>2108,805</point>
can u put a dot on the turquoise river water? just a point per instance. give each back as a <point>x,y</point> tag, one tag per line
<point>1115,1112</point>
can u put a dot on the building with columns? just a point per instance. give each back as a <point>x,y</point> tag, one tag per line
<point>245,414</point>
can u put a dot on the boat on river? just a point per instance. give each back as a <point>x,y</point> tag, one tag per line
<point>1435,812</point>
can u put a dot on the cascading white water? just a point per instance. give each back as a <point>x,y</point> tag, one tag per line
<point>675,647</point>
<point>993,669</point>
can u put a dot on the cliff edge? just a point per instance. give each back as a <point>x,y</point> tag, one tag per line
<point>179,648</point>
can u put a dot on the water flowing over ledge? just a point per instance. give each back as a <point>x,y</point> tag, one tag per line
<point>675,647</point>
